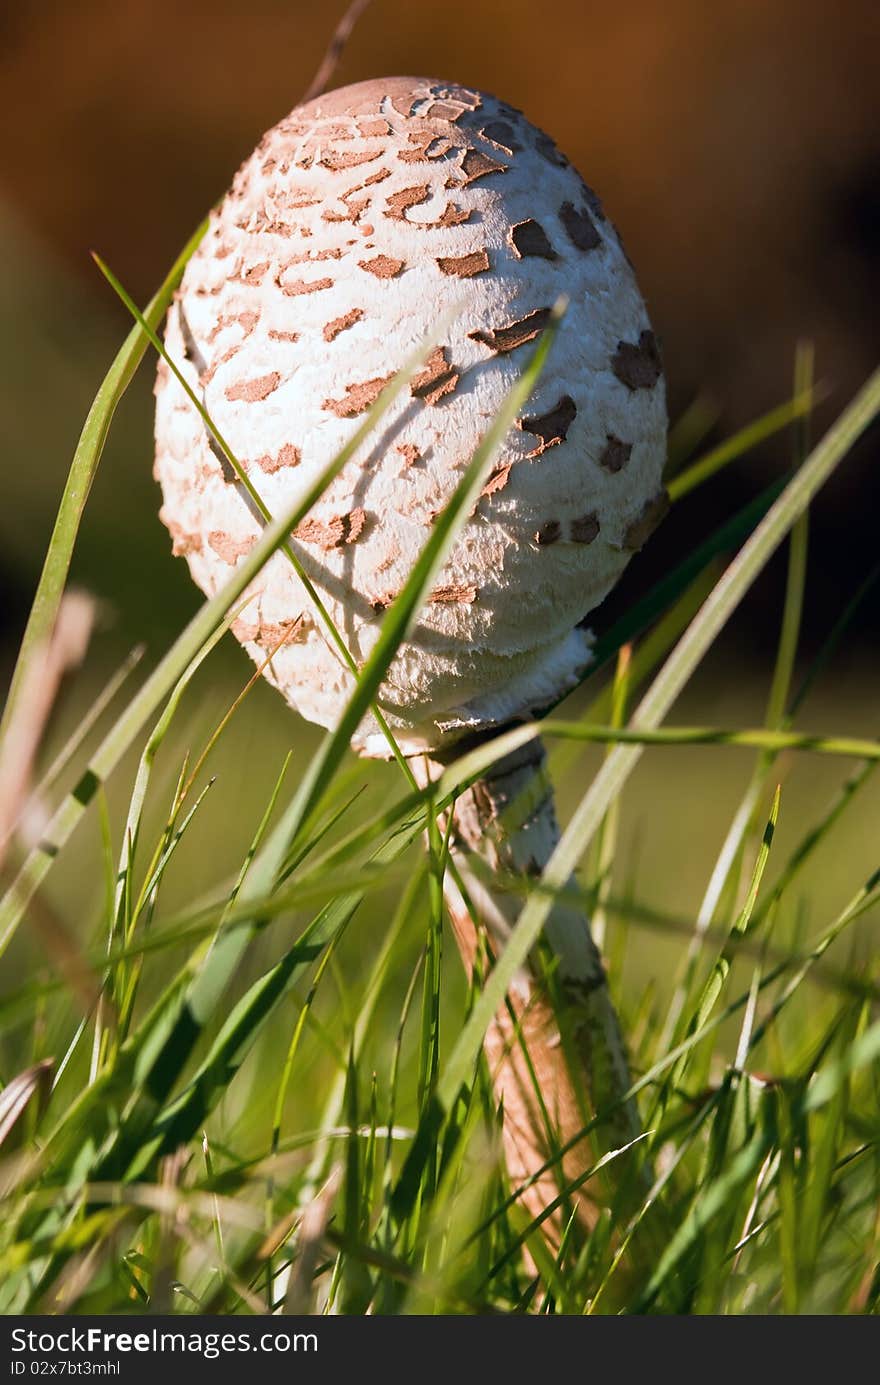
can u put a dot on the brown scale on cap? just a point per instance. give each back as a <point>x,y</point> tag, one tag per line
<point>410,454</point>
<point>339,161</point>
<point>530,238</point>
<point>615,454</point>
<point>228,549</point>
<point>476,165</point>
<point>275,335</point>
<point>426,146</point>
<point>497,481</point>
<point>548,150</point>
<point>378,177</point>
<point>552,427</point>
<point>358,397</point>
<point>252,391</point>
<point>301,286</point>
<point>514,334</point>
<point>638,365</point>
<point>499,133</point>
<point>330,252</point>
<point>465,595</point>
<point>551,532</point>
<point>333,533</point>
<point>437,379</point>
<point>339,324</point>
<point>446,110</point>
<point>383,266</point>
<point>585,529</point>
<point>352,214</point>
<point>403,103</point>
<point>579,226</point>
<point>641,528</point>
<point>247,321</point>
<point>273,635</point>
<point>253,275</point>
<point>400,202</point>
<point>375,128</point>
<point>465,266</point>
<point>272,228</point>
<point>183,541</point>
<point>450,216</point>
<point>287,456</point>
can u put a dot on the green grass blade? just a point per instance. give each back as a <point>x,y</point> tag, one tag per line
<point>709,1203</point>
<point>407,605</point>
<point>742,442</point>
<point>251,495</point>
<point>654,706</point>
<point>160,683</point>
<point>86,458</point>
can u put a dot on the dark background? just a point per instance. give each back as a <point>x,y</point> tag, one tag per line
<point>737,147</point>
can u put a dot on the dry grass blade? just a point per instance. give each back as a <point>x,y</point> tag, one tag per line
<point>21,1091</point>
<point>51,660</point>
<point>299,1298</point>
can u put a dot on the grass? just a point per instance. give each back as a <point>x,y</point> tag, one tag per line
<point>269,1094</point>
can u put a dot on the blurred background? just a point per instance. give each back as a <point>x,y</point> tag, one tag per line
<point>736,147</point>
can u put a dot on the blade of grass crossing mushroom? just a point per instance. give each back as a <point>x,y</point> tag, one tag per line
<point>162,680</point>
<point>211,978</point>
<point>82,472</point>
<point>249,492</point>
<point>652,709</point>
<point>673,595</point>
<point>260,511</point>
<point>406,606</point>
<point>219,966</point>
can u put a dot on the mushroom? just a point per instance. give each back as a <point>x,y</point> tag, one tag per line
<point>358,221</point>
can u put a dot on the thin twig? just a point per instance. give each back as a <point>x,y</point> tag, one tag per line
<point>337,46</point>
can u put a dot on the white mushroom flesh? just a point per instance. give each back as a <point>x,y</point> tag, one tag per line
<point>356,224</point>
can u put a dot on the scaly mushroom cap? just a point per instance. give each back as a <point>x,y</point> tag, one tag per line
<point>357,221</point>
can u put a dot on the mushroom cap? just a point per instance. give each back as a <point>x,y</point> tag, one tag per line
<point>358,221</point>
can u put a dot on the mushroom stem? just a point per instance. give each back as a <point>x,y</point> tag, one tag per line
<point>555,1050</point>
